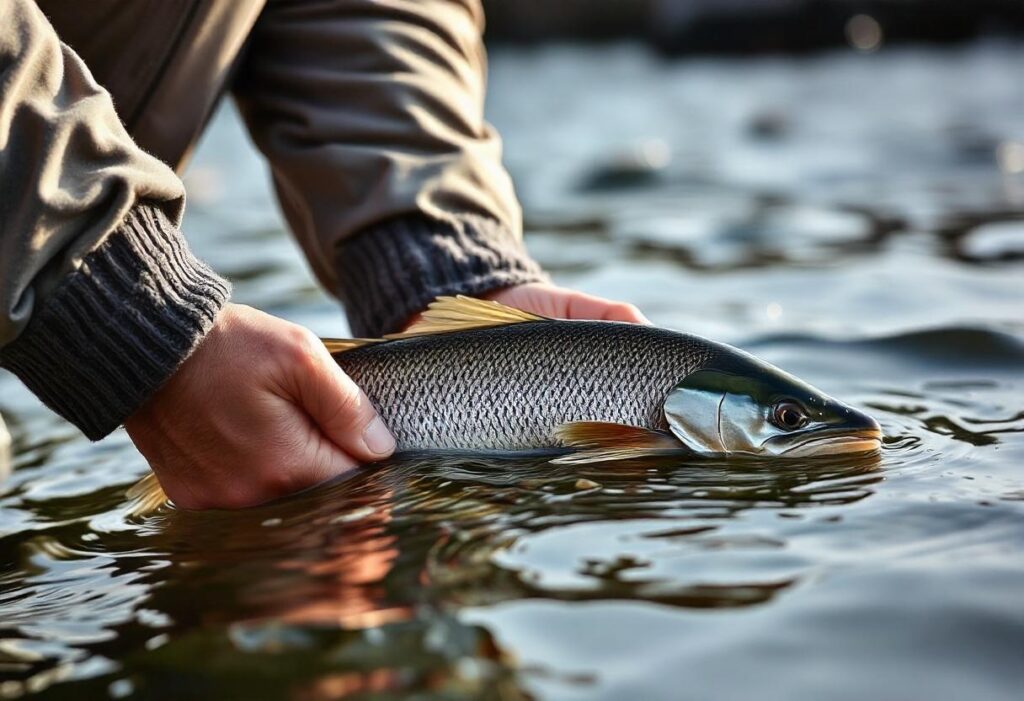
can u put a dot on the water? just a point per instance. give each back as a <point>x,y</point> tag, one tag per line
<point>857,220</point>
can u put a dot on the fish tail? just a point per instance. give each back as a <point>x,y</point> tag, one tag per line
<point>147,494</point>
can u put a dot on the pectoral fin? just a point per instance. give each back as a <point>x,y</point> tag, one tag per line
<point>600,441</point>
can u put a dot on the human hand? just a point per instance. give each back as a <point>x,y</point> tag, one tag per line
<point>563,303</point>
<point>259,410</point>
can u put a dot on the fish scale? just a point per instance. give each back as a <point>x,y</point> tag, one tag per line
<point>510,387</point>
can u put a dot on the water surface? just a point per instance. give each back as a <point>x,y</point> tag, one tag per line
<point>858,220</point>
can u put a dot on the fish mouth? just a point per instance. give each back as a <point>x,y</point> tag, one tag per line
<point>837,442</point>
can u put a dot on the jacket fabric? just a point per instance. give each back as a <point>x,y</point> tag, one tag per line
<point>370,113</point>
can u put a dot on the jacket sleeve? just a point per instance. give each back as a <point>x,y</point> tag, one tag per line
<point>100,297</point>
<point>371,115</point>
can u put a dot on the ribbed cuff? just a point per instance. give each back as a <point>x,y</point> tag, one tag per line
<point>392,271</point>
<point>119,326</point>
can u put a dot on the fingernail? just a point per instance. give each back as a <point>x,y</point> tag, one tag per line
<point>378,438</point>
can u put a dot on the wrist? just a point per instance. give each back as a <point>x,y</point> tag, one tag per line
<point>392,271</point>
<point>119,326</point>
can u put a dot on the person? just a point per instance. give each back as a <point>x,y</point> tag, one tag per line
<point>370,115</point>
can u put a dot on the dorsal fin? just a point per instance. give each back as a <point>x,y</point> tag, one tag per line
<point>447,314</point>
<point>444,315</point>
<point>340,345</point>
<point>600,441</point>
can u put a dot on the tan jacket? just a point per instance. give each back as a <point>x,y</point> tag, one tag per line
<point>370,113</point>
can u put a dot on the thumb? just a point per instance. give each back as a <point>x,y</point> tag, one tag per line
<point>339,408</point>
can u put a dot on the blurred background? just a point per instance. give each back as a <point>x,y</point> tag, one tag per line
<point>836,186</point>
<point>694,27</point>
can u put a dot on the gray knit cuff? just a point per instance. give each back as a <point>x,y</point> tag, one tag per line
<point>119,326</point>
<point>392,271</point>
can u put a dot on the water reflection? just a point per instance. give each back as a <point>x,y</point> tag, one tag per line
<point>367,551</point>
<point>383,560</point>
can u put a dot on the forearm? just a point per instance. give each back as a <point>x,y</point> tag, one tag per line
<point>100,298</point>
<point>371,115</point>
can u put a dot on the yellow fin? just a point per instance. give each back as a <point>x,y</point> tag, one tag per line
<point>148,495</point>
<point>601,441</point>
<point>340,345</point>
<point>447,314</point>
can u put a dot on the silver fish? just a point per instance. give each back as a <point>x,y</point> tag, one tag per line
<point>477,376</point>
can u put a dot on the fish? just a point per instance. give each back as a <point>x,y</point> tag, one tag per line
<point>477,376</point>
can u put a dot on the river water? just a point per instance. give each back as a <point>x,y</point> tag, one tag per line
<point>858,220</point>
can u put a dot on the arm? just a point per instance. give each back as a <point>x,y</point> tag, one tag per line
<point>100,297</point>
<point>371,115</point>
<point>108,317</point>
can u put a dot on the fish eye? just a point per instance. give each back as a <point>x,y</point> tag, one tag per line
<point>789,416</point>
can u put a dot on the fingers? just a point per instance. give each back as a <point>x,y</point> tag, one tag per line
<point>584,306</point>
<point>621,311</point>
<point>338,407</point>
<point>328,462</point>
<point>561,302</point>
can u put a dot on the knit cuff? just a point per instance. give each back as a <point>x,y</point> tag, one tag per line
<point>392,271</point>
<point>119,326</point>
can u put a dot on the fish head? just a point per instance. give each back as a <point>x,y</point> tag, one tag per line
<point>737,404</point>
